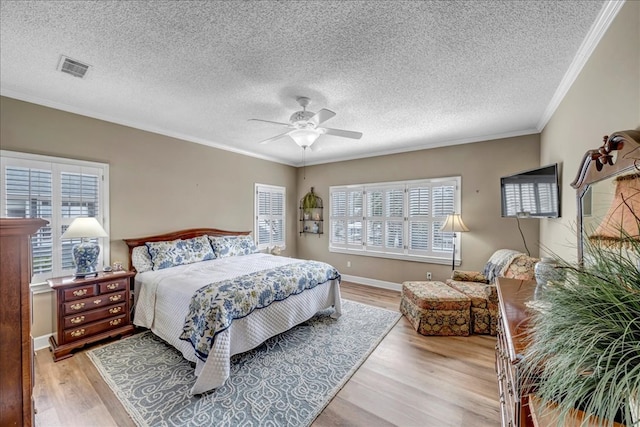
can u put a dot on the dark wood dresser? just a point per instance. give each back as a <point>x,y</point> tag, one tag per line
<point>16,344</point>
<point>90,309</point>
<point>510,345</point>
<point>519,406</point>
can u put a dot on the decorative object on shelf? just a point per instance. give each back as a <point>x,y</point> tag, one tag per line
<point>85,254</point>
<point>453,224</point>
<point>276,250</point>
<point>309,201</point>
<point>546,270</point>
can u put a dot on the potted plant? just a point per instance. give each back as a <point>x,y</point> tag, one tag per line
<point>309,202</point>
<point>584,349</point>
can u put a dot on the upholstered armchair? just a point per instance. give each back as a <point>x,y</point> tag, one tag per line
<point>480,286</point>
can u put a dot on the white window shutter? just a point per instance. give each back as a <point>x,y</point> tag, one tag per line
<point>269,228</point>
<point>401,220</point>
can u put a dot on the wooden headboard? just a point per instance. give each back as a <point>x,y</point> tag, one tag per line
<point>181,234</point>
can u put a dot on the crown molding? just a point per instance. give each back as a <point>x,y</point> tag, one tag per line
<point>595,34</point>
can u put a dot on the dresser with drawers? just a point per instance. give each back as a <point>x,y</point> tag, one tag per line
<point>510,346</point>
<point>89,310</point>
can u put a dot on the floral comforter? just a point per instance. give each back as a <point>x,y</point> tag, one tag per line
<point>216,305</point>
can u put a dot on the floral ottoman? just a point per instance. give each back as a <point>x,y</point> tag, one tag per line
<point>434,308</point>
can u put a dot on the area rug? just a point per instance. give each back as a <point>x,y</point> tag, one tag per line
<point>287,381</point>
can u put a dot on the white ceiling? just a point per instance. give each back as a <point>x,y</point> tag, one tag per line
<point>408,74</point>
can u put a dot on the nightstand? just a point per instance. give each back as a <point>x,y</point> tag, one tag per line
<point>89,310</point>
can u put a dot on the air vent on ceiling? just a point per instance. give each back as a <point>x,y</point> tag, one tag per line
<point>73,67</point>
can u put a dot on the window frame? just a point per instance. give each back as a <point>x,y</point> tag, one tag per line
<point>58,166</point>
<point>365,248</point>
<point>271,189</point>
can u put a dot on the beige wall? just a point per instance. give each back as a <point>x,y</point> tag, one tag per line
<point>157,183</point>
<point>480,164</point>
<point>604,98</point>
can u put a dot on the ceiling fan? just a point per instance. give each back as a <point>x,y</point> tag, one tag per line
<point>305,126</point>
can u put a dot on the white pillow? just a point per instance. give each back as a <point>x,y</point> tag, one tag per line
<point>141,259</point>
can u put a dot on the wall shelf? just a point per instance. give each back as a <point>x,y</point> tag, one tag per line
<point>311,214</point>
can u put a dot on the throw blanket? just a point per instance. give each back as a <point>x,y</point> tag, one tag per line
<point>215,306</point>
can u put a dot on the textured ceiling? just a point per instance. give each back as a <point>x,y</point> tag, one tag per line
<point>408,74</point>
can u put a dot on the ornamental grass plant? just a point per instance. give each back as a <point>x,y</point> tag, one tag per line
<point>584,349</point>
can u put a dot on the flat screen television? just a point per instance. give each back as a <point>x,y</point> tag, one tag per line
<point>531,194</point>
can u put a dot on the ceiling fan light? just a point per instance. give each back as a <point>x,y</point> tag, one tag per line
<point>304,137</point>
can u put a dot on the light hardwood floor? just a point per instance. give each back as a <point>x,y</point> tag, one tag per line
<point>409,380</point>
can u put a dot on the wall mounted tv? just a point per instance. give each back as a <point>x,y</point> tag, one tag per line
<point>531,194</point>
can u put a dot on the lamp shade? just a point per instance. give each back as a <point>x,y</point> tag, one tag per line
<point>622,221</point>
<point>84,227</point>
<point>304,137</point>
<point>453,224</point>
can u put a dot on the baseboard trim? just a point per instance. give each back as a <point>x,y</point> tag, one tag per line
<point>41,342</point>
<point>372,282</point>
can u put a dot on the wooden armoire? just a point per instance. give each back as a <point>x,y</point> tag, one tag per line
<point>16,345</point>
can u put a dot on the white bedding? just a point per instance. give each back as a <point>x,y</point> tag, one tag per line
<point>163,297</point>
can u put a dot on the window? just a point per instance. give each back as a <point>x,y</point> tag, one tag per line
<point>57,190</point>
<point>394,220</point>
<point>269,229</point>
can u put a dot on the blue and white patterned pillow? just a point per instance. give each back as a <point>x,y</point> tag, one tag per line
<point>141,260</point>
<point>168,254</point>
<point>199,249</point>
<point>226,246</point>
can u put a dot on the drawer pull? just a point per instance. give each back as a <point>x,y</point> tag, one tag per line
<point>115,310</point>
<point>115,322</point>
<point>80,292</point>
<point>112,286</point>
<point>97,301</point>
<point>78,319</point>
<point>115,298</point>
<point>77,306</point>
<point>77,333</point>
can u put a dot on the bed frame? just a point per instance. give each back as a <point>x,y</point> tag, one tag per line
<point>181,234</point>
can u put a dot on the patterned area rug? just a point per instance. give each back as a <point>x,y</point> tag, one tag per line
<point>288,380</point>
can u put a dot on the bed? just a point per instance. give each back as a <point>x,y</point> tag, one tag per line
<point>255,295</point>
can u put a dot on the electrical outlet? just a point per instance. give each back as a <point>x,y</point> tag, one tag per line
<point>428,275</point>
<point>348,263</point>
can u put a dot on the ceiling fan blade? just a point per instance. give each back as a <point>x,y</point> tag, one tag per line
<point>343,133</point>
<point>268,121</point>
<point>322,116</point>
<point>273,138</point>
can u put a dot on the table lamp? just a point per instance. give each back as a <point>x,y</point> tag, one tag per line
<point>453,224</point>
<point>85,253</point>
